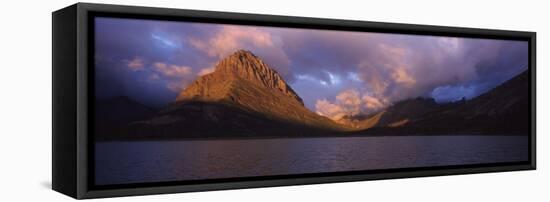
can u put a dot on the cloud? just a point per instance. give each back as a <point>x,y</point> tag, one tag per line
<point>177,86</point>
<point>206,71</point>
<point>229,38</point>
<point>165,41</point>
<point>318,64</point>
<point>349,102</point>
<point>395,66</point>
<point>232,38</point>
<point>401,76</point>
<point>372,104</point>
<point>135,64</point>
<point>177,77</point>
<point>172,71</point>
<point>153,77</point>
<point>401,67</point>
<point>332,111</point>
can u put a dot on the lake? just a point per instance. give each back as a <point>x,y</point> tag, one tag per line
<point>157,161</point>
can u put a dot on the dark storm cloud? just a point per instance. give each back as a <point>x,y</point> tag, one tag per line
<point>329,69</point>
<point>161,51</point>
<point>393,67</point>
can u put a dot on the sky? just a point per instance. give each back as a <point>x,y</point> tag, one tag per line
<point>336,73</point>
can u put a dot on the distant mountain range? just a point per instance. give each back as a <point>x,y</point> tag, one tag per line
<point>502,110</point>
<point>113,115</point>
<point>244,97</point>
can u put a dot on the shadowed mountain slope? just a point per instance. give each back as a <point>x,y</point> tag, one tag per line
<point>502,110</point>
<point>114,114</point>
<point>398,114</point>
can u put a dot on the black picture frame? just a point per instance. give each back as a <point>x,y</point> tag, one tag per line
<point>72,98</point>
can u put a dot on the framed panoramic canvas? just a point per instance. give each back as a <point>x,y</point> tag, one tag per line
<point>152,100</point>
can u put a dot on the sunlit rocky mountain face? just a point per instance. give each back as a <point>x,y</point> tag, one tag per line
<point>245,97</point>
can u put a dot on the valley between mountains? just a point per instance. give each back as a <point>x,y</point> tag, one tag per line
<point>245,98</point>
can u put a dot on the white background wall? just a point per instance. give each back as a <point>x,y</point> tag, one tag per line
<point>25,102</point>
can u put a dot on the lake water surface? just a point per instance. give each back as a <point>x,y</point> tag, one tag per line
<point>156,161</point>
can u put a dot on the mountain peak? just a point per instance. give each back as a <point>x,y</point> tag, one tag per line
<point>243,52</point>
<point>245,94</point>
<point>244,65</point>
<point>242,61</point>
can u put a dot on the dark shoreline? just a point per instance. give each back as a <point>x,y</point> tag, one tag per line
<point>292,137</point>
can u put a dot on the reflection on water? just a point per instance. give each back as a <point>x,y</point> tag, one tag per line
<point>156,161</point>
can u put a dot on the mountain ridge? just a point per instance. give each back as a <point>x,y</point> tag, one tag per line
<point>245,97</point>
<point>503,109</point>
